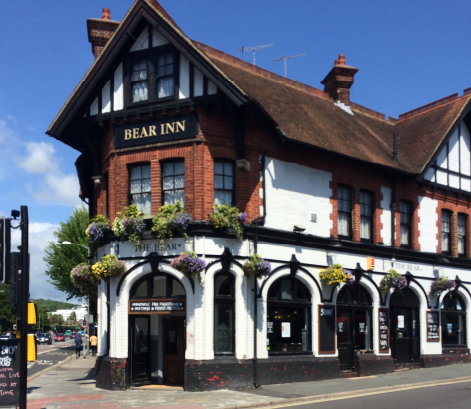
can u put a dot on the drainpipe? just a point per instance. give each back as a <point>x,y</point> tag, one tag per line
<point>255,222</point>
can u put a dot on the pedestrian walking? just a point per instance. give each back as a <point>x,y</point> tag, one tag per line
<point>78,346</point>
<point>93,343</point>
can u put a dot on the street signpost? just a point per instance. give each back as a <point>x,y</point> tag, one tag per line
<point>84,325</point>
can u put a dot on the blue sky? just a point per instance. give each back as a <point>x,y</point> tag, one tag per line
<point>408,54</point>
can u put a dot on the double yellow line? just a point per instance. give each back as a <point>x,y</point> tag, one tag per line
<point>361,394</point>
<point>50,367</point>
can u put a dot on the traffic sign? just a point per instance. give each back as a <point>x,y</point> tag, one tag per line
<point>84,324</point>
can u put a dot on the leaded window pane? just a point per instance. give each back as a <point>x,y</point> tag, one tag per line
<point>140,188</point>
<point>344,224</point>
<point>218,182</point>
<point>173,182</point>
<point>166,87</point>
<point>223,183</point>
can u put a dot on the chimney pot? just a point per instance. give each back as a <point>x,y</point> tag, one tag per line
<point>341,60</point>
<point>106,14</point>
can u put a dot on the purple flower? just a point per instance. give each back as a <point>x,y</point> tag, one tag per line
<point>265,265</point>
<point>350,278</point>
<point>442,284</point>
<point>243,217</point>
<point>183,221</point>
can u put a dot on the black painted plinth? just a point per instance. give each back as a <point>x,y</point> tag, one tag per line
<point>433,361</point>
<point>370,364</point>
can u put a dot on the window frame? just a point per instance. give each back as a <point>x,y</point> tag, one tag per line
<point>162,164</point>
<point>350,225</point>
<point>465,236</point>
<point>130,195</point>
<point>408,225</point>
<point>277,302</point>
<point>453,312</point>
<point>151,54</point>
<point>150,287</point>
<point>371,217</point>
<point>224,300</point>
<point>233,190</point>
<point>448,213</point>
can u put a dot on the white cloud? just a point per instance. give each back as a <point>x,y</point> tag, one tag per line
<point>5,132</point>
<point>12,118</point>
<point>40,158</point>
<point>55,186</point>
<point>40,234</point>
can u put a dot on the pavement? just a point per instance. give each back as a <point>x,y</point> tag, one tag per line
<point>70,384</point>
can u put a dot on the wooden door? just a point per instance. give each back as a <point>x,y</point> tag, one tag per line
<point>406,333</point>
<point>174,350</point>
<point>345,338</point>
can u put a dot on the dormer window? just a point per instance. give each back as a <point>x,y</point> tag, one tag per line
<point>139,84</point>
<point>165,78</point>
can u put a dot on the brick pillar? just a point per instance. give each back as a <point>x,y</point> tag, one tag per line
<point>454,234</point>
<point>356,214</point>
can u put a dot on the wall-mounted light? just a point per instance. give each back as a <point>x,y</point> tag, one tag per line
<point>298,228</point>
<point>443,260</point>
<point>96,181</point>
<point>335,243</point>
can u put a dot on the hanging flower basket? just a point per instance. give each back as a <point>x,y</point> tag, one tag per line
<point>230,219</point>
<point>189,264</point>
<point>171,219</point>
<point>129,225</point>
<point>393,280</point>
<point>82,272</point>
<point>256,266</point>
<point>108,267</point>
<point>97,227</point>
<point>441,284</point>
<point>335,275</point>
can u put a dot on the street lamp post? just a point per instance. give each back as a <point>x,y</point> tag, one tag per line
<point>88,298</point>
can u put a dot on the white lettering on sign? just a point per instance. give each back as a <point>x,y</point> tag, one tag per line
<point>327,312</point>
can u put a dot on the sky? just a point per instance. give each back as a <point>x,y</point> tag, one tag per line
<point>409,53</point>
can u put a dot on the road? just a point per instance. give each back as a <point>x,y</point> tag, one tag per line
<point>50,355</point>
<point>454,395</point>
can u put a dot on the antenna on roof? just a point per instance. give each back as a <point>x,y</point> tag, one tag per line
<point>253,49</point>
<point>288,57</point>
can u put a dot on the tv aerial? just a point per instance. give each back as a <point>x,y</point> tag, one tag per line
<point>253,49</point>
<point>287,58</point>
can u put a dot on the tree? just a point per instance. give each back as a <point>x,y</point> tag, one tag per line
<point>57,319</point>
<point>72,317</point>
<point>61,259</point>
<point>7,314</point>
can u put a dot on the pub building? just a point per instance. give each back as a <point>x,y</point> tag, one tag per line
<point>160,117</point>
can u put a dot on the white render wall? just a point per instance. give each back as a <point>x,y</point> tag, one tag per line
<point>200,307</point>
<point>428,229</point>
<point>293,193</point>
<point>386,215</point>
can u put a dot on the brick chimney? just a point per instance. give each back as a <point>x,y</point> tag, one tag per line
<point>339,80</point>
<point>100,31</point>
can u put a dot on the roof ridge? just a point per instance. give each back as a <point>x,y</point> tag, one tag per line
<point>433,105</point>
<point>221,55</point>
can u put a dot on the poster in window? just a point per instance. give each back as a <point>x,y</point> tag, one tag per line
<point>433,326</point>
<point>269,327</point>
<point>449,327</point>
<point>400,321</point>
<point>285,329</point>
<point>223,337</point>
<point>362,327</point>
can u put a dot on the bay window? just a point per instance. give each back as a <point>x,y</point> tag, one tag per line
<point>140,187</point>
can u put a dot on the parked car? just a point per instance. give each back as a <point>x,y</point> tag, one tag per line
<point>5,336</point>
<point>73,335</point>
<point>59,337</point>
<point>44,338</point>
<point>68,333</point>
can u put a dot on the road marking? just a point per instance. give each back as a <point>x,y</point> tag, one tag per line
<point>50,367</point>
<point>359,395</point>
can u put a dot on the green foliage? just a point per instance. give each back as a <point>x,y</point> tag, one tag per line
<point>225,217</point>
<point>7,314</point>
<point>333,275</point>
<point>129,224</point>
<point>61,259</point>
<point>108,267</point>
<point>52,305</point>
<point>172,218</point>
<point>72,316</point>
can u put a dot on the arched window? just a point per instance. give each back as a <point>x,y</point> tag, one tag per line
<point>453,311</point>
<point>288,317</point>
<point>224,314</point>
<point>158,285</point>
<point>354,295</point>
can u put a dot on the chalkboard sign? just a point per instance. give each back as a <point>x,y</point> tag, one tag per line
<point>433,326</point>
<point>156,306</point>
<point>383,323</point>
<point>326,329</point>
<point>9,372</point>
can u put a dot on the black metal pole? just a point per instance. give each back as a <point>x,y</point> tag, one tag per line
<point>255,325</point>
<point>23,306</point>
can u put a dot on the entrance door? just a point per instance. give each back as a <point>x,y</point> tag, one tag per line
<point>140,350</point>
<point>345,338</point>
<point>406,330</point>
<point>174,350</point>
